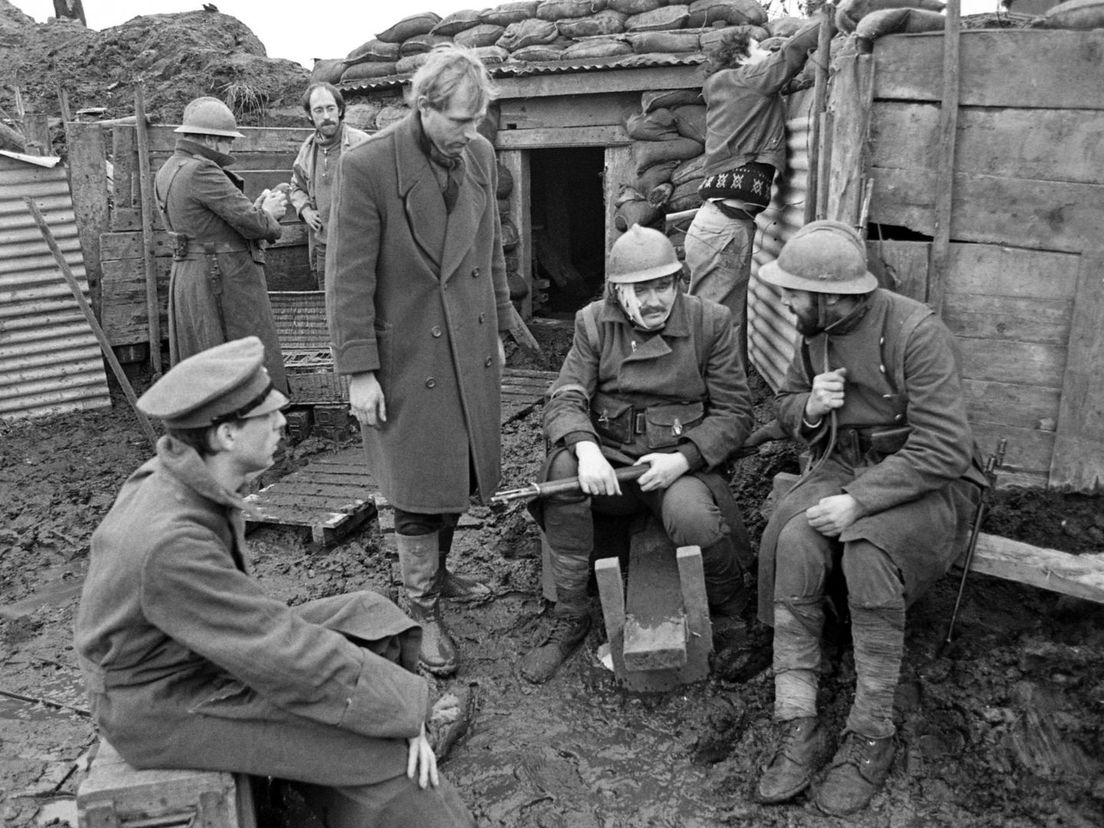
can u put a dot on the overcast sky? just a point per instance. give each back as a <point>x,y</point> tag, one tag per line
<point>299,31</point>
<point>302,31</point>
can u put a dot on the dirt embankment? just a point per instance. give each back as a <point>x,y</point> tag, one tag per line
<point>176,57</point>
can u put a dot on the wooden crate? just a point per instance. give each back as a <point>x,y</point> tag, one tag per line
<point>116,794</point>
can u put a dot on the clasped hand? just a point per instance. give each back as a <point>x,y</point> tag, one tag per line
<point>827,394</point>
<point>833,514</point>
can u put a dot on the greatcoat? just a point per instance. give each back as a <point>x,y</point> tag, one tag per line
<point>915,500</point>
<point>418,295</point>
<point>203,201</point>
<point>188,664</point>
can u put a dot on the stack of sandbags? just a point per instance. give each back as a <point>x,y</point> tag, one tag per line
<point>668,135</point>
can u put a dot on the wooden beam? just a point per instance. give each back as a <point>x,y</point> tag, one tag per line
<point>145,189</point>
<point>851,106</point>
<point>819,148</point>
<point>1081,576</point>
<point>553,137</point>
<point>596,83</point>
<point>1079,443</point>
<point>88,184</point>
<point>944,159</point>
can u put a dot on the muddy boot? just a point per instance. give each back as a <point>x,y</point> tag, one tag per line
<point>418,557</point>
<point>803,751</point>
<point>566,633</point>
<point>456,587</point>
<point>858,771</point>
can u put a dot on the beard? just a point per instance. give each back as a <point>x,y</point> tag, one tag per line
<point>807,323</point>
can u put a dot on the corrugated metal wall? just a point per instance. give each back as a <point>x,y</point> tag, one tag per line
<point>50,360</point>
<point>771,332</point>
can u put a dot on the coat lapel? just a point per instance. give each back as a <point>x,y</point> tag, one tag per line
<point>421,196</point>
<point>463,221</point>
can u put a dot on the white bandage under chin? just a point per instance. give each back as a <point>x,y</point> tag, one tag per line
<point>630,303</point>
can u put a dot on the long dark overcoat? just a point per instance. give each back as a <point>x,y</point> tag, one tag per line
<point>205,202</point>
<point>189,664</point>
<point>419,295</point>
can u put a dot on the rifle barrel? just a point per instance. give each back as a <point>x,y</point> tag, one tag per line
<point>567,484</point>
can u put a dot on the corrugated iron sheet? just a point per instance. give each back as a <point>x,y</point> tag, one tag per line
<point>772,336</point>
<point>50,360</point>
<point>519,69</point>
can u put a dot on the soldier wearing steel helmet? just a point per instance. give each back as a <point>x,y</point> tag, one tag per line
<point>653,378</point>
<point>217,288</point>
<point>874,392</point>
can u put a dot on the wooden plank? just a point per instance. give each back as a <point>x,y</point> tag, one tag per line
<point>553,137</point>
<point>1029,449</point>
<point>1045,322</point>
<point>1011,404</point>
<point>88,183</point>
<point>1081,576</point>
<point>655,623</point>
<point>699,639</point>
<point>124,160</point>
<point>1015,143</point>
<point>263,139</point>
<point>124,300</point>
<point>1079,443</point>
<point>1001,270</point>
<point>575,110</point>
<point>944,157</point>
<point>516,163</point>
<point>1047,215</point>
<point>1024,363</point>
<point>640,79</point>
<point>1023,68</point>
<point>901,266</point>
<point>850,106</point>
<point>607,572</point>
<point>619,169</point>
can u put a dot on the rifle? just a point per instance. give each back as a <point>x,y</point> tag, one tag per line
<point>567,484</point>
<point>992,463</point>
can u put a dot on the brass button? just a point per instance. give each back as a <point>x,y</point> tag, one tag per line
<point>431,383</point>
<point>435,330</point>
<point>475,272</point>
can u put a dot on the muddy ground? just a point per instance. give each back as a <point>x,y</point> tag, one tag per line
<point>1006,729</point>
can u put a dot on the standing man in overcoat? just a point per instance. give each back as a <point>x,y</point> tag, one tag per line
<point>189,664</point>
<point>417,299</point>
<point>315,168</point>
<point>874,391</point>
<point>217,288</point>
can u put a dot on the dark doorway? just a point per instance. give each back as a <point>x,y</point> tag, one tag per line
<point>569,228</point>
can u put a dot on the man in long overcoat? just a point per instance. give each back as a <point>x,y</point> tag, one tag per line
<point>188,664</point>
<point>217,287</point>
<point>654,379</point>
<point>874,391</point>
<point>416,298</point>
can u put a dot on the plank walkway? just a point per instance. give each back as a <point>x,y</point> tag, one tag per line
<point>335,494</point>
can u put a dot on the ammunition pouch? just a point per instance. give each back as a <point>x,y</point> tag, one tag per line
<point>858,446</point>
<point>179,243</point>
<point>655,427</point>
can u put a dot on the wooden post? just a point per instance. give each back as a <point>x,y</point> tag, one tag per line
<point>851,103</point>
<point>78,294</point>
<point>945,160</point>
<point>820,97</point>
<point>145,185</point>
<point>63,102</point>
<point>88,183</point>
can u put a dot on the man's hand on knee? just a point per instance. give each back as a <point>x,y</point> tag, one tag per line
<point>833,514</point>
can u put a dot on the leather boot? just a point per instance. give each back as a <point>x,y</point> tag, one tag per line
<point>453,586</point>
<point>566,633</point>
<point>802,752</point>
<point>858,771</point>
<point>418,560</point>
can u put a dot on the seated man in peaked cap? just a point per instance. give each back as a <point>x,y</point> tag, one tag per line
<point>190,665</point>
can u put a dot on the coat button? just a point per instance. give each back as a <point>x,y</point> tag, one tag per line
<point>435,330</point>
<point>482,318</point>
<point>431,383</point>
<point>487,362</point>
<point>899,417</point>
<point>475,272</point>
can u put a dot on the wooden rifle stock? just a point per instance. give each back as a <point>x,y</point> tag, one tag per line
<point>567,484</point>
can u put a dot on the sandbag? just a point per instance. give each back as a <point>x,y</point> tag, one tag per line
<point>1075,14</point>
<point>672,43</point>
<point>456,22</point>
<point>565,9</point>
<point>389,115</point>
<point>895,21</point>
<point>421,43</point>
<point>647,153</point>
<point>655,175</point>
<point>508,13</point>
<point>690,121</point>
<point>657,125</point>
<point>685,195</point>
<point>733,12</point>
<point>628,7</point>
<point>369,69</point>
<point>669,98</point>
<point>491,55</point>
<point>485,34</point>
<point>850,12</point>
<point>505,182</point>
<point>529,32</point>
<point>596,47</point>
<point>510,235</point>
<point>661,19</point>
<point>376,49</point>
<point>659,195</point>
<point>636,212</point>
<point>544,51</point>
<point>328,71</point>
<point>411,63</point>
<point>688,170</point>
<point>604,23</point>
<point>784,26</point>
<point>411,26</point>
